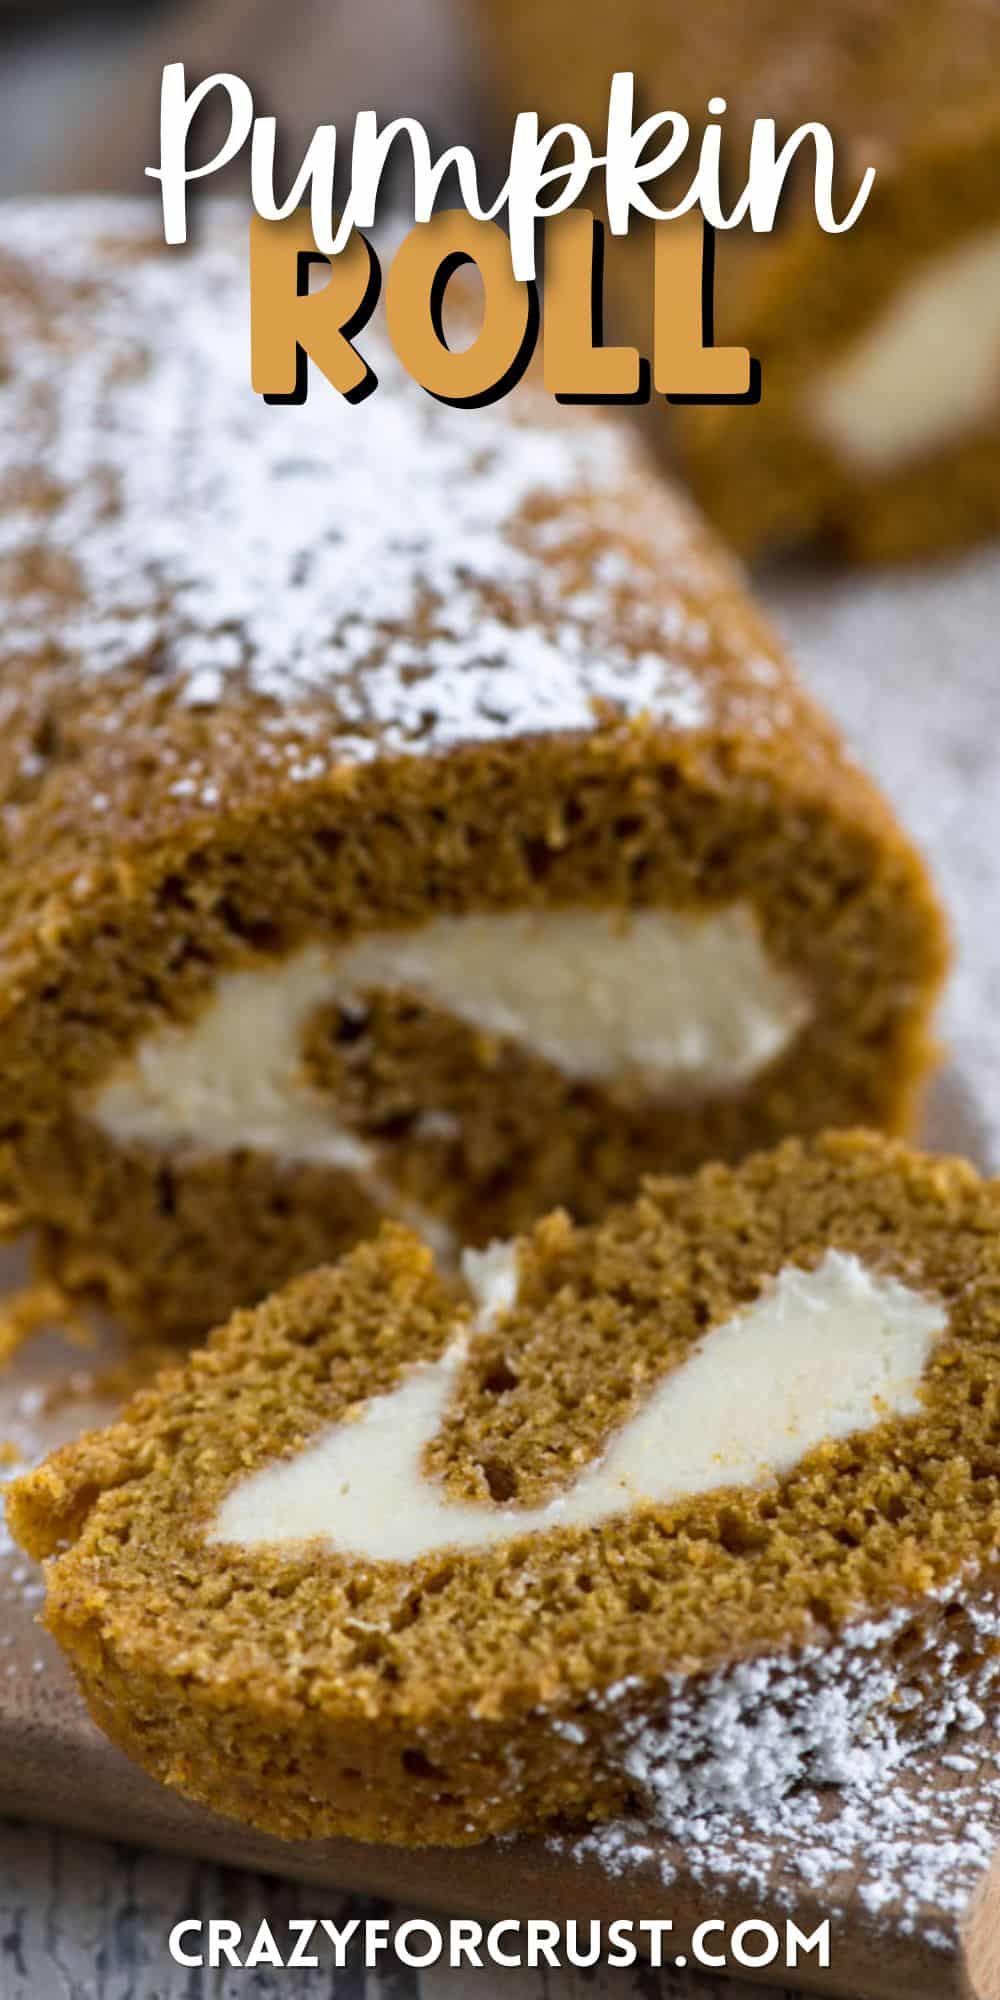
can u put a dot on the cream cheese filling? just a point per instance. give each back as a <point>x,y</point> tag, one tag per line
<point>821,1354</point>
<point>687,1004</point>
<point>925,372</point>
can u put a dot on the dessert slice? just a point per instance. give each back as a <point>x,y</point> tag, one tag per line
<point>878,427</point>
<point>697,1503</point>
<point>405,810</point>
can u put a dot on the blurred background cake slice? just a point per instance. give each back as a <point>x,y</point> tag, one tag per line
<point>878,428</point>
<point>406,809</point>
<point>685,1509</point>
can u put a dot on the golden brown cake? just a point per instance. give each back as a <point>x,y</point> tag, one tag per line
<point>878,428</point>
<point>405,811</point>
<point>686,1508</point>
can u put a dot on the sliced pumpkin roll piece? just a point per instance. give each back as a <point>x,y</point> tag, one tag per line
<point>670,1513</point>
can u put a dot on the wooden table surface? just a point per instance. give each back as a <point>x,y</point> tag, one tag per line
<point>85,1920</point>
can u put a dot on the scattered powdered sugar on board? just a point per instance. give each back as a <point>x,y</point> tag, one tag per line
<point>790,1779</point>
<point>908,1844</point>
<point>412,564</point>
<point>910,1850</point>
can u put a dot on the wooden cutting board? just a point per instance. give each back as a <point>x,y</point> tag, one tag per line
<point>910,667</point>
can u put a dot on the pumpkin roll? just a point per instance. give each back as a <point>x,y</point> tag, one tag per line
<point>406,810</point>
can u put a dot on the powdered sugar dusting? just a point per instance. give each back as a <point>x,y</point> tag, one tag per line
<point>414,567</point>
<point>791,1779</point>
<point>908,1847</point>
